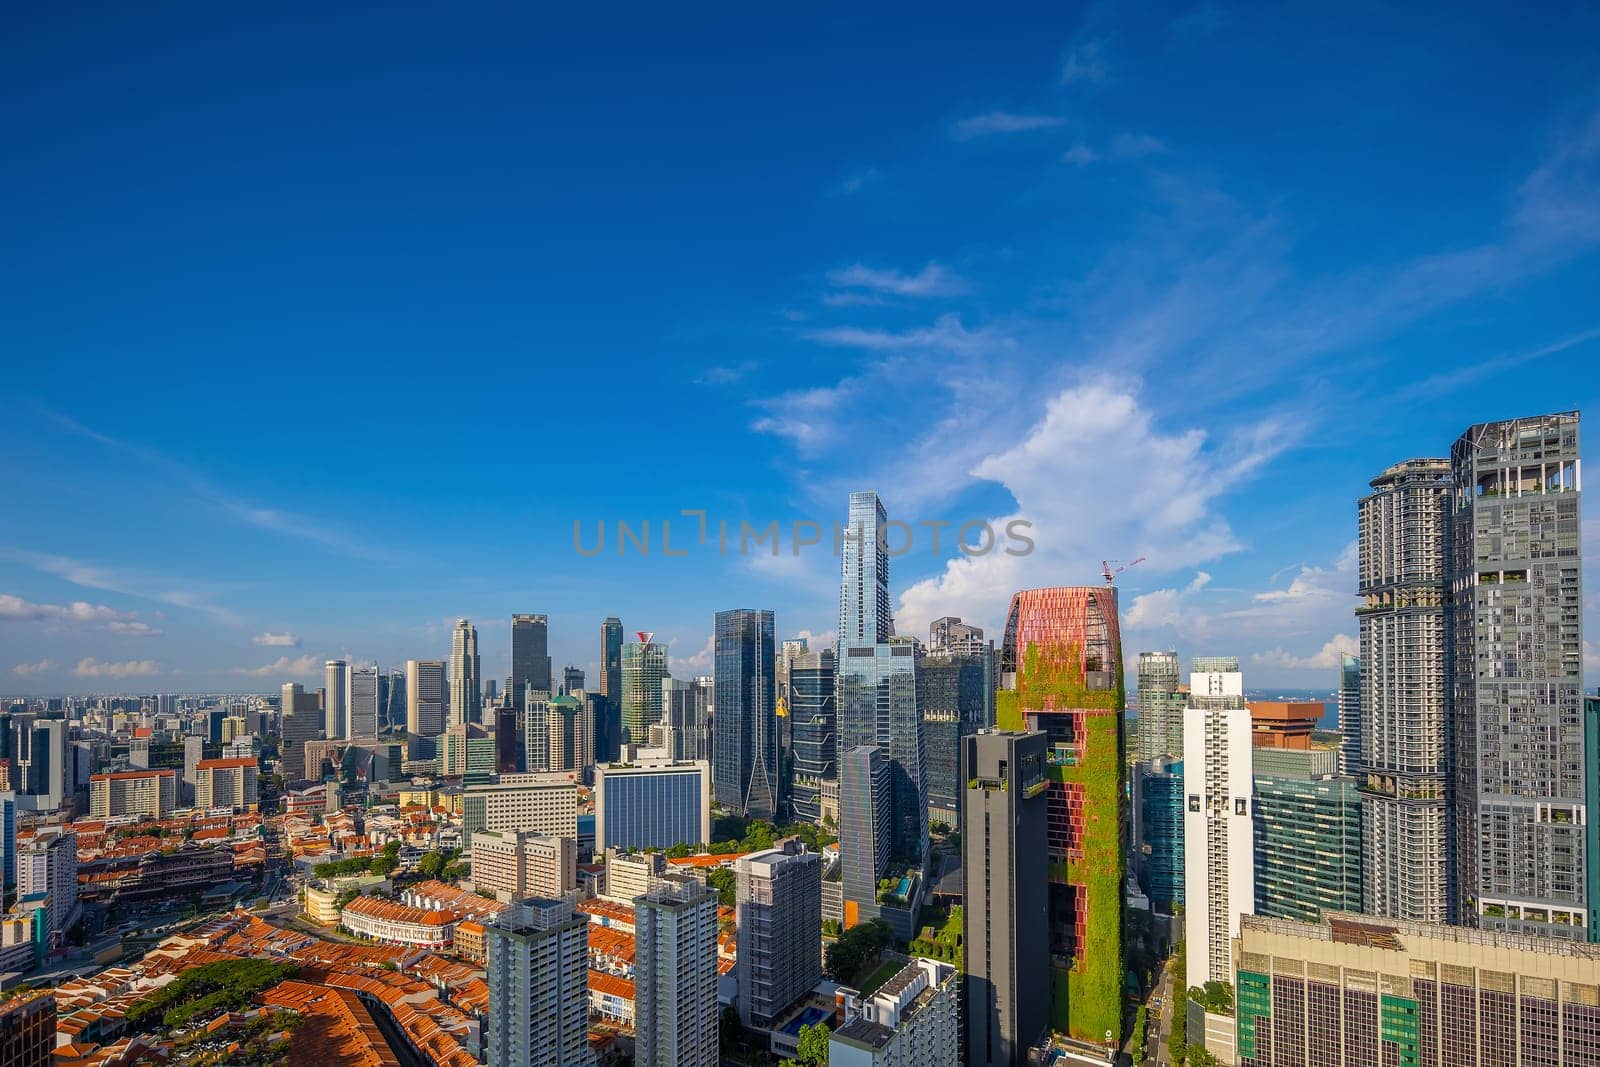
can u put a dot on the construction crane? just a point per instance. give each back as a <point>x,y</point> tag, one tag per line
<point>1110,575</point>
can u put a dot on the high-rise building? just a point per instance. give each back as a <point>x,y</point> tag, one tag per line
<point>425,698</point>
<point>534,730</point>
<point>1359,990</point>
<point>544,804</point>
<point>336,699</point>
<point>300,720</point>
<point>866,829</point>
<point>538,976</point>
<point>778,896</point>
<point>228,782</point>
<point>644,664</point>
<point>361,702</point>
<point>1005,883</point>
<point>28,1029</point>
<point>1161,702</point>
<point>654,803</point>
<point>1349,715</point>
<point>1516,617</point>
<point>1061,673</point>
<point>745,749</point>
<point>530,656</point>
<point>955,690</point>
<point>43,770</point>
<point>1307,834</point>
<point>1218,834</point>
<point>675,975</point>
<point>1158,829</point>
<point>152,793</point>
<point>950,634</point>
<point>8,838</point>
<point>876,674</point>
<point>47,879</point>
<point>1403,680</point>
<point>912,1020</point>
<point>571,680</point>
<point>813,726</point>
<point>608,719</point>
<point>571,733</point>
<point>392,700</point>
<point>508,750</point>
<point>512,865</point>
<point>466,683</point>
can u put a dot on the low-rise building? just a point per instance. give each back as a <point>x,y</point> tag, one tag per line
<point>399,924</point>
<point>913,1020</point>
<point>512,864</point>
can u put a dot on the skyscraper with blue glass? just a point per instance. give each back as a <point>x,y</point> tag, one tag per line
<point>744,747</point>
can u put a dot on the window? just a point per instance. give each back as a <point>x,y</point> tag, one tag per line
<point>1194,802</point>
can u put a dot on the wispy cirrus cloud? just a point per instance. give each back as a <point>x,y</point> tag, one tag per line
<point>851,184</point>
<point>279,639</point>
<point>1001,122</point>
<point>179,592</point>
<point>946,334</point>
<point>727,374</point>
<point>89,667</point>
<point>15,608</point>
<point>1086,62</point>
<point>932,280</point>
<point>133,629</point>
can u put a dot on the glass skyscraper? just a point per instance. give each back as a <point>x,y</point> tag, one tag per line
<point>955,691</point>
<point>608,711</point>
<point>1161,704</point>
<point>813,725</point>
<point>745,725</point>
<point>644,664</point>
<point>530,656</point>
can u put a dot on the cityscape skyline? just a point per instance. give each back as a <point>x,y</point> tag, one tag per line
<point>1229,341</point>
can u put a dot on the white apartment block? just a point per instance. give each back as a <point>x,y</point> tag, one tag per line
<point>47,870</point>
<point>152,793</point>
<point>538,974</point>
<point>675,974</point>
<point>512,864</point>
<point>1219,870</point>
<point>913,1020</point>
<point>227,783</point>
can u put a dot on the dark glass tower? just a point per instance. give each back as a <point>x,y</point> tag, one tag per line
<point>813,730</point>
<point>745,725</point>
<point>608,710</point>
<point>530,656</point>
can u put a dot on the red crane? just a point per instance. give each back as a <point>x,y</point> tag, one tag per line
<point>1109,574</point>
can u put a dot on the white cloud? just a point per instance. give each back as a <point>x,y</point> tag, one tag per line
<point>945,335</point>
<point>1160,607</point>
<point>726,375</point>
<point>807,417</point>
<point>271,639</point>
<point>33,670</point>
<point>1085,62</point>
<point>1327,659</point>
<point>88,667</point>
<point>994,122</point>
<point>932,280</point>
<point>133,629</point>
<point>17,609</point>
<point>283,666</point>
<point>1080,155</point>
<point>695,665</point>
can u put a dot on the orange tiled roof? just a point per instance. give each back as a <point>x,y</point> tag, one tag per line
<point>601,982</point>
<point>400,913</point>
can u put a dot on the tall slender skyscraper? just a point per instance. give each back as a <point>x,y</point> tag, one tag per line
<point>1061,673</point>
<point>392,700</point>
<point>1218,834</point>
<point>425,710</point>
<point>644,664</point>
<point>1403,681</point>
<point>466,684</point>
<point>876,674</point>
<point>608,712</point>
<point>675,974</point>
<point>1350,729</point>
<point>571,680</point>
<point>1005,884</point>
<point>813,724</point>
<point>361,702</point>
<point>1161,703</point>
<point>336,704</point>
<point>299,721</point>
<point>866,829</point>
<point>745,750</point>
<point>1516,615</point>
<point>530,656</point>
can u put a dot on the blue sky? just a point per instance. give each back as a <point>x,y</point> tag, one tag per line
<point>323,328</point>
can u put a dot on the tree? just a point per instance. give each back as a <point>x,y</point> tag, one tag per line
<point>730,1027</point>
<point>723,881</point>
<point>812,1048</point>
<point>857,949</point>
<point>431,864</point>
<point>392,850</point>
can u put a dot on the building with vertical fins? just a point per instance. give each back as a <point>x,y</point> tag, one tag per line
<point>1350,731</point>
<point>745,744</point>
<point>644,664</point>
<point>1158,829</point>
<point>1218,832</point>
<point>675,974</point>
<point>530,656</point>
<point>300,720</point>
<point>866,829</point>
<point>778,896</point>
<point>813,726</point>
<point>425,701</point>
<point>336,699</point>
<point>466,683</point>
<point>1061,674</point>
<point>955,692</point>
<point>1161,702</point>
<point>361,702</point>
<point>1005,884</point>
<point>608,711</point>
<point>1516,604</point>
<point>1404,693</point>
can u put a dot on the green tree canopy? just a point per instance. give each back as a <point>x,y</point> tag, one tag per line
<point>812,1048</point>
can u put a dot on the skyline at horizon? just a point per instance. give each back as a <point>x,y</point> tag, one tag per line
<point>307,366</point>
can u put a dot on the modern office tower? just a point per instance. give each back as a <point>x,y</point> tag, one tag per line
<point>361,702</point>
<point>652,804</point>
<point>8,838</point>
<point>491,692</point>
<point>1061,672</point>
<point>530,656</point>
<point>28,1029</point>
<point>1161,703</point>
<point>336,701</point>
<point>512,864</point>
<point>232,783</point>
<point>1218,835</point>
<point>1517,648</point>
<point>1307,833</point>
<point>538,972</point>
<point>791,649</point>
<point>608,720</point>
<point>392,700</point>
<point>545,804</point>
<point>778,895</point>
<point>508,751</point>
<point>644,664</point>
<point>912,1020</point>
<point>876,674</point>
<point>1359,990</point>
<point>571,733</point>
<point>678,717</point>
<point>41,764</point>
<point>534,730</point>
<point>466,682</point>
<point>571,680</point>
<point>955,690</point>
<point>1350,743</point>
<point>745,751</point>
<point>1158,829</point>
<point>1404,693</point>
<point>813,726</point>
<point>152,793</point>
<point>866,829</point>
<point>300,720</point>
<point>425,698</point>
<point>1005,883</point>
<point>675,975</point>
<point>47,878</point>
